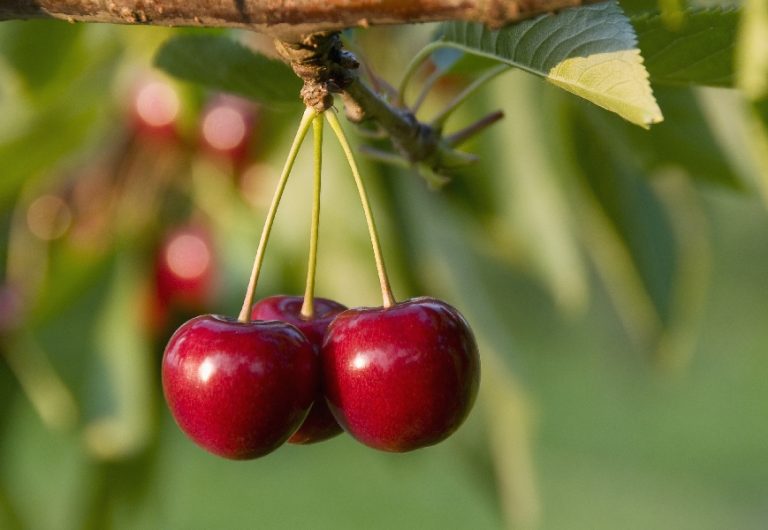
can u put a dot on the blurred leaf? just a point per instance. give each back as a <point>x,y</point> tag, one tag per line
<point>459,257</point>
<point>59,127</point>
<point>752,51</point>
<point>590,51</point>
<point>124,383</point>
<point>47,393</point>
<point>685,140</point>
<point>41,467</point>
<point>699,51</point>
<point>220,63</point>
<point>672,13</point>
<point>510,435</point>
<point>73,272</point>
<point>39,50</point>
<point>530,192</point>
<point>757,117</point>
<point>640,240</point>
<point>38,149</point>
<point>627,200</point>
<point>9,518</point>
<point>692,275</point>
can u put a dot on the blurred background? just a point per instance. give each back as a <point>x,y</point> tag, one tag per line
<point>616,280</point>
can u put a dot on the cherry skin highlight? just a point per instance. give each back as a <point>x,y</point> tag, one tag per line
<point>320,424</point>
<point>239,390</point>
<point>403,377</point>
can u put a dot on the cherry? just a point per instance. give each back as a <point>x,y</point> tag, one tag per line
<point>155,109</point>
<point>239,390</point>
<point>182,278</point>
<point>320,424</point>
<point>184,267</point>
<point>402,377</point>
<point>228,126</point>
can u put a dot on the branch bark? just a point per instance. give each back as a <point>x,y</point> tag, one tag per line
<point>281,18</point>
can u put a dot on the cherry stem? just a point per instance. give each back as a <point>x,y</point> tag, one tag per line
<point>308,307</point>
<point>301,133</point>
<point>429,84</point>
<point>388,300</point>
<point>464,95</point>
<point>413,67</point>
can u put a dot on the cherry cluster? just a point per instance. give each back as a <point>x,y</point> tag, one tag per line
<point>302,369</point>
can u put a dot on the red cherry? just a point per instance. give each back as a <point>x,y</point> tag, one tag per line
<point>320,424</point>
<point>239,390</point>
<point>184,268</point>
<point>155,108</point>
<point>228,126</point>
<point>402,377</point>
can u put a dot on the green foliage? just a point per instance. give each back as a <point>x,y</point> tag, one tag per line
<point>590,52</point>
<point>685,141</point>
<point>220,63</point>
<point>63,123</point>
<point>627,208</point>
<point>38,61</point>
<point>752,53</point>
<point>698,52</point>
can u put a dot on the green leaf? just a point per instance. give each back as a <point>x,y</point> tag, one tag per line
<point>456,61</point>
<point>757,119</point>
<point>220,63</point>
<point>531,191</point>
<point>123,378</point>
<point>646,239</point>
<point>699,52</point>
<point>686,140</point>
<point>63,125</point>
<point>752,53</point>
<point>590,51</point>
<point>39,50</point>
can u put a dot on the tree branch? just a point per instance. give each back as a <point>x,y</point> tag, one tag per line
<point>306,33</point>
<point>327,69</point>
<point>281,18</point>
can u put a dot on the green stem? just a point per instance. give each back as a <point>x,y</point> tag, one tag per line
<point>308,307</point>
<point>49,395</point>
<point>387,298</point>
<point>429,84</point>
<point>385,157</point>
<point>410,70</point>
<point>468,132</point>
<point>301,133</point>
<point>440,119</point>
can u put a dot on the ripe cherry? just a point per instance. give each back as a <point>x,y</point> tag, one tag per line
<point>239,390</point>
<point>402,377</point>
<point>182,278</point>
<point>227,128</point>
<point>184,268</point>
<point>320,424</point>
<point>155,108</point>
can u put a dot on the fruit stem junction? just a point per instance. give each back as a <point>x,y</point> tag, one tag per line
<point>301,133</point>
